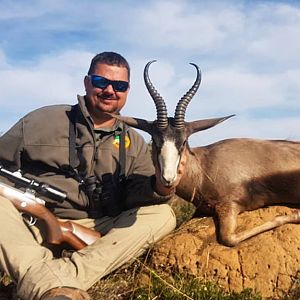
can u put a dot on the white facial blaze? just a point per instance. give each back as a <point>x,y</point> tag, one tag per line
<point>168,161</point>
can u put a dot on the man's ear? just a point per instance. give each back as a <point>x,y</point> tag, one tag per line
<point>86,81</point>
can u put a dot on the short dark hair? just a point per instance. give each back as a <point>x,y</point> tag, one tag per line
<point>109,58</point>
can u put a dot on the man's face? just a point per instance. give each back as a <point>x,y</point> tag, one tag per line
<point>106,99</point>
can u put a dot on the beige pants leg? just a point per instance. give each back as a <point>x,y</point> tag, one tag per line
<point>36,271</point>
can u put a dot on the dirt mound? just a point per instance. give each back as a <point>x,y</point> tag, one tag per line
<point>268,263</point>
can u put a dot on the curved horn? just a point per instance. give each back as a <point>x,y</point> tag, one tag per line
<point>161,109</point>
<point>185,100</point>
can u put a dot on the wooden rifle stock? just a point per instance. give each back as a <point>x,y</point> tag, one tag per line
<point>76,235</point>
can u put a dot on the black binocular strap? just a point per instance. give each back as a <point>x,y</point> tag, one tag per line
<point>122,154</point>
<point>72,138</point>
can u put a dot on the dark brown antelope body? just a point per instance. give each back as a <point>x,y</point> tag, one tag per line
<point>225,178</point>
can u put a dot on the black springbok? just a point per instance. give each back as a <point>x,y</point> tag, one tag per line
<point>225,178</point>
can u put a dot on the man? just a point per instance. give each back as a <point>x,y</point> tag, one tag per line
<point>77,148</point>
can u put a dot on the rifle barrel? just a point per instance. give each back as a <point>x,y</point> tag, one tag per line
<point>39,187</point>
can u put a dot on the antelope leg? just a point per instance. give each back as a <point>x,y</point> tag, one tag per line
<point>228,226</point>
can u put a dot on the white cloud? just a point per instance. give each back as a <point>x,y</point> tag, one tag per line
<point>181,25</point>
<point>275,31</point>
<point>264,33</point>
<point>248,53</point>
<point>15,9</point>
<point>54,79</point>
<point>239,127</point>
<point>222,90</point>
<point>3,61</point>
<point>241,90</point>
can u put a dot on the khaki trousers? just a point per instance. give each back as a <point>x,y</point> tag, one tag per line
<point>34,269</point>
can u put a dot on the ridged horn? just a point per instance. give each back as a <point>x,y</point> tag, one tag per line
<point>185,100</point>
<point>161,109</point>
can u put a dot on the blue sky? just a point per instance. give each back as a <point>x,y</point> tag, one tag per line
<point>248,52</point>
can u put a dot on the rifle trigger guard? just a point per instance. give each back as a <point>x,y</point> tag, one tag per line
<point>30,220</point>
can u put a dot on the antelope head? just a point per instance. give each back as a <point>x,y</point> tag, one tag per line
<point>170,135</point>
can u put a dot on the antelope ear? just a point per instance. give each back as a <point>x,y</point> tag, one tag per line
<point>200,125</point>
<point>135,122</point>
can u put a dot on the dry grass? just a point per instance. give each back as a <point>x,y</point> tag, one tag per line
<point>140,281</point>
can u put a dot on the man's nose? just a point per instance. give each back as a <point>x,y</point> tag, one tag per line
<point>109,89</point>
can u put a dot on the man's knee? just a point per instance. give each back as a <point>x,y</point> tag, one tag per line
<point>165,211</point>
<point>168,215</point>
<point>162,217</point>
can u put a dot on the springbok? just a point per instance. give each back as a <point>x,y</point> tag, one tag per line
<point>225,178</point>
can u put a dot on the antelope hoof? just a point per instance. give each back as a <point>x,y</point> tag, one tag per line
<point>296,216</point>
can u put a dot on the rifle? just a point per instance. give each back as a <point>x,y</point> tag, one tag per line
<point>26,202</point>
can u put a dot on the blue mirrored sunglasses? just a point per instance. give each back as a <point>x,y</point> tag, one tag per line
<point>102,82</point>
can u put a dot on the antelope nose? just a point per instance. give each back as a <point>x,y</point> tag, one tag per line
<point>168,181</point>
